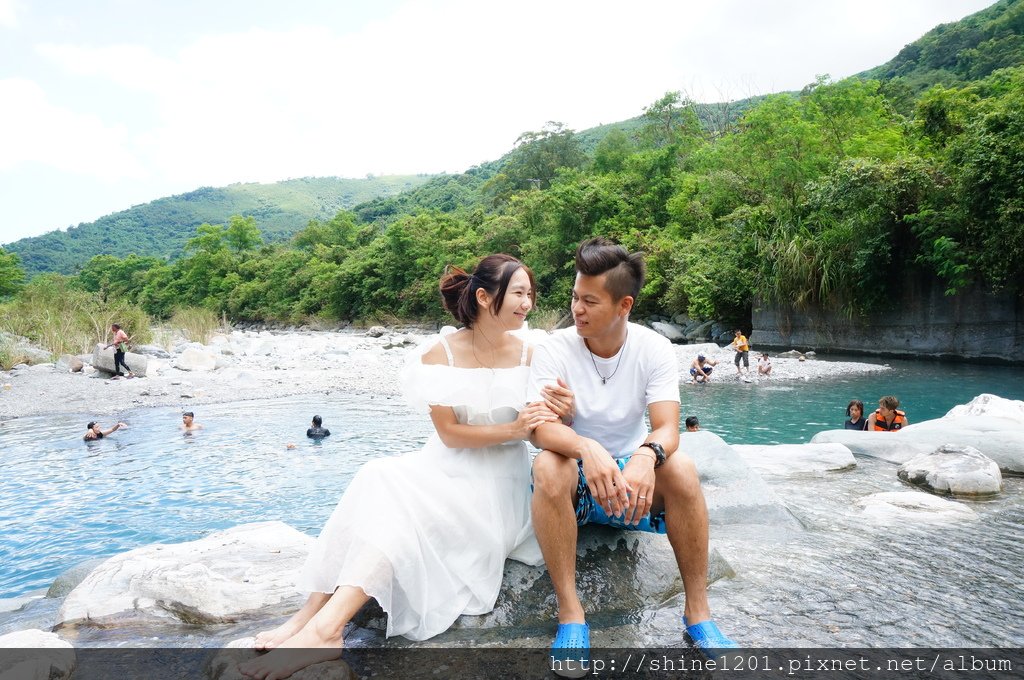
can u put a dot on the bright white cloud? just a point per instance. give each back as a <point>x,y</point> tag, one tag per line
<point>32,130</point>
<point>435,85</point>
<point>8,13</point>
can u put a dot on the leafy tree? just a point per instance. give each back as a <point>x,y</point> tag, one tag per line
<point>11,274</point>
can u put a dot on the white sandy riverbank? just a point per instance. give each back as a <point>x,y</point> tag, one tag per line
<point>271,364</point>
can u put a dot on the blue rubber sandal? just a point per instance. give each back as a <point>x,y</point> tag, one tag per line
<point>570,652</point>
<point>705,635</point>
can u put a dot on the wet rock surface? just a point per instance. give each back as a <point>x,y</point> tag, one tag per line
<point>956,470</point>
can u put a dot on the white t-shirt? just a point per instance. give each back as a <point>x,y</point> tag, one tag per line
<point>611,413</point>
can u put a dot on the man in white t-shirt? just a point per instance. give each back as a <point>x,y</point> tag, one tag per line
<point>606,467</point>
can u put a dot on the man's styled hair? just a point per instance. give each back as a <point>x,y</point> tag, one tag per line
<point>691,421</point>
<point>625,270</point>
<point>889,402</point>
<point>317,420</point>
<point>91,423</point>
<point>189,414</point>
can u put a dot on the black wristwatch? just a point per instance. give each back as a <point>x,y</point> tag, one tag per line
<point>659,452</point>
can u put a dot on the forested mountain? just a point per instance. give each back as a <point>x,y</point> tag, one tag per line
<point>160,228</point>
<point>957,53</point>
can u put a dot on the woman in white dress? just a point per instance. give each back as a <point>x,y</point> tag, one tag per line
<point>426,534</point>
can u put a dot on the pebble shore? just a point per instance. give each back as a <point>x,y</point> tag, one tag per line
<point>272,364</point>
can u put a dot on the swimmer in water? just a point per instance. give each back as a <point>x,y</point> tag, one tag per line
<point>188,422</point>
<point>318,431</point>
<point>93,431</point>
<point>692,424</point>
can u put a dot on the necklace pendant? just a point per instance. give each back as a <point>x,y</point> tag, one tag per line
<point>604,381</point>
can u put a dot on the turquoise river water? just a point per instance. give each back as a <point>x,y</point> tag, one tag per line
<point>63,501</point>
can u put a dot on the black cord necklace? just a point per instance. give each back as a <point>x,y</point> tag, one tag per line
<point>605,379</point>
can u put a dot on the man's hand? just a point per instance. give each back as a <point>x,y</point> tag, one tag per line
<point>639,475</point>
<point>561,400</point>
<point>607,485</point>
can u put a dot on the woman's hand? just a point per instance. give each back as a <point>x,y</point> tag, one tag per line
<point>560,400</point>
<point>532,415</point>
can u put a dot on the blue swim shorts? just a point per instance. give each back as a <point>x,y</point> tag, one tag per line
<point>588,511</point>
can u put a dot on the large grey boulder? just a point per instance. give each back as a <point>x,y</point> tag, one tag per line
<point>69,580</point>
<point>992,425</point>
<point>796,459</point>
<point>956,470</point>
<point>193,359</point>
<point>998,437</point>
<point>224,665</point>
<point>701,332</point>
<point>990,405</point>
<point>69,363</point>
<point>668,330</point>
<point>894,447</point>
<point>913,507</point>
<point>376,331</point>
<point>243,571</point>
<point>735,493</point>
<point>153,351</point>
<point>103,359</point>
<point>35,655</point>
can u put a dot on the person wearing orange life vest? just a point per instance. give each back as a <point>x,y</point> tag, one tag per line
<point>742,347</point>
<point>888,417</point>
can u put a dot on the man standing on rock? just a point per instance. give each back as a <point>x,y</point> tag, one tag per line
<point>606,467</point>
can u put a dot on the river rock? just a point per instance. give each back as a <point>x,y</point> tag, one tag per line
<point>376,331</point>
<point>35,655</point>
<point>192,359</point>
<point>69,580</point>
<point>956,470</point>
<point>894,447</point>
<point>41,368</point>
<point>103,359</point>
<point>224,664</point>
<point>153,351</point>
<point>990,405</point>
<point>228,575</point>
<point>789,459</point>
<point>668,330</point>
<point>735,493</point>
<point>701,332</point>
<point>69,363</point>
<point>999,438</point>
<point>913,507</point>
<point>609,565</point>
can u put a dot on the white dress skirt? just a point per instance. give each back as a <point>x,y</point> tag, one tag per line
<point>426,534</point>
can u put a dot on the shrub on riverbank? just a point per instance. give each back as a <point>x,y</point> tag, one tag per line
<point>60,318</point>
<point>196,323</point>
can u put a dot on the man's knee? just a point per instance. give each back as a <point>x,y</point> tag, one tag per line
<point>681,474</point>
<point>554,474</point>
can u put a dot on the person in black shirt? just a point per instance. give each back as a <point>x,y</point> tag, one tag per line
<point>318,431</point>
<point>855,416</point>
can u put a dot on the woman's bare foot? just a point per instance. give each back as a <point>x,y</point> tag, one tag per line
<point>269,639</point>
<point>272,638</point>
<point>309,646</point>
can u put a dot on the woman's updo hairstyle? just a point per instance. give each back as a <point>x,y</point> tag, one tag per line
<point>493,273</point>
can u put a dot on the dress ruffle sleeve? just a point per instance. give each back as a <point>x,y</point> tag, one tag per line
<point>425,385</point>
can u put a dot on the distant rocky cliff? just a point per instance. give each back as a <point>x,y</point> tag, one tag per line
<point>918,321</point>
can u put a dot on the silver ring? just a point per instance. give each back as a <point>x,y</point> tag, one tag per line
<point>641,497</point>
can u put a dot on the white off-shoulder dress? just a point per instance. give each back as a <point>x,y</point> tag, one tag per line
<point>427,533</point>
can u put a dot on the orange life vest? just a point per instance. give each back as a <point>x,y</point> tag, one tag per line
<point>897,423</point>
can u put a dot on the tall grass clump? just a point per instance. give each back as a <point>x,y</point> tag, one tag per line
<point>60,318</point>
<point>10,356</point>
<point>198,324</point>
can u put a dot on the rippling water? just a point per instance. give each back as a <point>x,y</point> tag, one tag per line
<point>843,581</point>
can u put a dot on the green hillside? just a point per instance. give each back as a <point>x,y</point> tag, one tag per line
<point>957,53</point>
<point>161,227</point>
